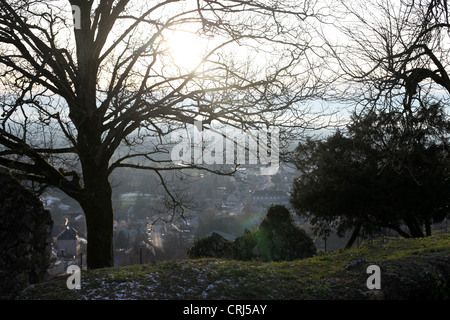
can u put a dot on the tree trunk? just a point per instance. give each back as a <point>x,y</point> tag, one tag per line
<point>428,227</point>
<point>399,231</point>
<point>353,236</point>
<point>99,222</point>
<point>414,227</point>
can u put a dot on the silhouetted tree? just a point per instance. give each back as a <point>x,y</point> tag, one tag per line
<point>389,167</point>
<point>381,174</point>
<point>85,94</point>
<point>393,54</point>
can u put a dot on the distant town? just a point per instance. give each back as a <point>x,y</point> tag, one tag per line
<point>145,231</point>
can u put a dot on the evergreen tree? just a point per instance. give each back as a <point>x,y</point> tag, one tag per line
<point>390,170</point>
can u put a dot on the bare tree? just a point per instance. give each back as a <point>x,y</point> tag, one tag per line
<point>393,61</point>
<point>392,57</point>
<point>89,86</point>
<point>392,54</point>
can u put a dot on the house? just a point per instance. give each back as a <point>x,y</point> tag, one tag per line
<point>67,242</point>
<point>269,197</point>
<point>231,200</point>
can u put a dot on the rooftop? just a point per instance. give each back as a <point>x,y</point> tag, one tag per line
<point>68,234</point>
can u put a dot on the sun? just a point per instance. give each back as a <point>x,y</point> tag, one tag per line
<point>187,49</point>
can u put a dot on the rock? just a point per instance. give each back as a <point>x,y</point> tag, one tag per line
<point>25,238</point>
<point>354,263</point>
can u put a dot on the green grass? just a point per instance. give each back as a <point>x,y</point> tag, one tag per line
<point>410,269</point>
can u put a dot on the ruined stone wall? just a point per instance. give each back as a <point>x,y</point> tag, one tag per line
<point>25,238</point>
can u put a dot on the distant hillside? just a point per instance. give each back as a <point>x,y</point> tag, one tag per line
<point>410,269</point>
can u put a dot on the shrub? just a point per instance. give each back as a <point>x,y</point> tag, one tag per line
<point>214,246</point>
<point>277,239</point>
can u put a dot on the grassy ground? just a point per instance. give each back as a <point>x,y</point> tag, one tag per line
<point>410,269</point>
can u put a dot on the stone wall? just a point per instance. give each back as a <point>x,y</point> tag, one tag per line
<point>25,238</point>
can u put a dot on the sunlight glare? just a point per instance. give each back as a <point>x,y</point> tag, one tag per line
<point>187,49</point>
